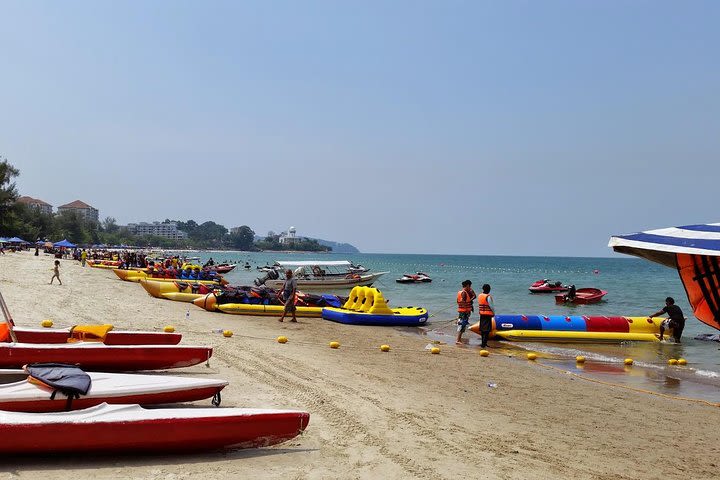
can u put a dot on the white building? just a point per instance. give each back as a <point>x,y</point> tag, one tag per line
<point>289,237</point>
<point>157,229</point>
<point>36,203</point>
<point>82,209</point>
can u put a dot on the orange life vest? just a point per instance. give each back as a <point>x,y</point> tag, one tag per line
<point>484,305</point>
<point>464,301</point>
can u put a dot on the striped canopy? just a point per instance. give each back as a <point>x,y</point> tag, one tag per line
<point>694,250</point>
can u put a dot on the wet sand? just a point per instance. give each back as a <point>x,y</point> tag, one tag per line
<point>401,414</point>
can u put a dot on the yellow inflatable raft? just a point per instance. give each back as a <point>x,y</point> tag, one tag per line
<point>209,303</point>
<point>136,276</point>
<point>178,291</point>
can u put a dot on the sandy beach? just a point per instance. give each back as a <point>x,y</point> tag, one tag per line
<point>401,414</point>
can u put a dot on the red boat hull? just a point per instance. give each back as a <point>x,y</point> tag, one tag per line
<point>60,404</point>
<point>583,296</point>
<point>113,338</point>
<point>104,358</point>
<point>163,435</point>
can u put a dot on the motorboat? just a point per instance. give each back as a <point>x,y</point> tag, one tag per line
<point>225,267</point>
<point>582,296</point>
<point>317,275</point>
<point>548,286</point>
<point>131,428</point>
<point>418,277</point>
<point>20,393</point>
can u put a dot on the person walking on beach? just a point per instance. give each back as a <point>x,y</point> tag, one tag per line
<point>675,320</point>
<point>287,294</point>
<point>56,272</point>
<point>83,257</point>
<point>486,309</point>
<point>465,299</point>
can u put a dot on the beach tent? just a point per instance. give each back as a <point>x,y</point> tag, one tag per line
<point>40,243</point>
<point>3,240</point>
<point>16,240</point>
<point>694,251</point>
<point>64,243</point>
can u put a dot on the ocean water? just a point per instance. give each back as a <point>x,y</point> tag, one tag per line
<point>635,288</point>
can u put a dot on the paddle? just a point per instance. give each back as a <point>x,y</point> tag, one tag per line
<point>8,318</point>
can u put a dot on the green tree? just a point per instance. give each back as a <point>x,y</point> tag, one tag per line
<point>243,239</point>
<point>69,225</point>
<point>8,198</point>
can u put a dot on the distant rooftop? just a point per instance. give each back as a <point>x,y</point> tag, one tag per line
<point>33,201</point>
<point>76,204</point>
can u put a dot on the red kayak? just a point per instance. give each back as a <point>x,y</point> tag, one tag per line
<point>113,337</point>
<point>131,428</point>
<point>582,296</point>
<point>104,358</point>
<point>546,286</point>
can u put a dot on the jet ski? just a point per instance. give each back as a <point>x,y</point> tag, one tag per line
<point>418,277</point>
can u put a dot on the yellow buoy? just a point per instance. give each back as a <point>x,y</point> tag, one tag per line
<point>580,359</point>
<point>682,361</point>
<point>282,339</point>
<point>484,353</point>
<point>227,333</point>
<point>531,356</point>
<point>384,348</point>
<point>168,329</point>
<point>628,361</point>
<point>435,350</point>
<point>47,323</point>
<point>334,344</point>
<point>672,361</point>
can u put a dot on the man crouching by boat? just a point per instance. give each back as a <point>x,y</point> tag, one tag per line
<point>287,294</point>
<point>675,320</point>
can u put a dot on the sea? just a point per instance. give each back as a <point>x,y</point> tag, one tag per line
<point>635,288</point>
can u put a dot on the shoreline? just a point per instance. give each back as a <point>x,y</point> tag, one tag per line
<point>401,414</point>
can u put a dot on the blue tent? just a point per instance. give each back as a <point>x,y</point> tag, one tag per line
<point>16,240</point>
<point>64,243</point>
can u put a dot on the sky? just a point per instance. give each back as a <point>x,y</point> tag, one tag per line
<point>446,127</point>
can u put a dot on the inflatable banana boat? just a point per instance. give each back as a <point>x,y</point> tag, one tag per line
<point>367,306</point>
<point>136,276</point>
<point>574,329</point>
<point>179,290</point>
<point>306,305</point>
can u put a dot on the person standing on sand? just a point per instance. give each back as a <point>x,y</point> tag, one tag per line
<point>287,294</point>
<point>83,257</point>
<point>486,308</point>
<point>56,272</point>
<point>675,320</point>
<point>465,299</point>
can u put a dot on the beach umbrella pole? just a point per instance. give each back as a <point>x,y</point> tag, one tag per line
<point>8,318</point>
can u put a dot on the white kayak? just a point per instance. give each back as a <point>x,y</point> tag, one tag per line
<point>17,394</point>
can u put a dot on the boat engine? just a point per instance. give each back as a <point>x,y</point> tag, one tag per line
<point>271,275</point>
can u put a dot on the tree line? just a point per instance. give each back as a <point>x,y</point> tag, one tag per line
<point>26,222</point>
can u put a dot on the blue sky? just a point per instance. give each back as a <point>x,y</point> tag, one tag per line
<point>469,127</point>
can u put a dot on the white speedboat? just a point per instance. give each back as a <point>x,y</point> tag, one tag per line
<point>318,275</point>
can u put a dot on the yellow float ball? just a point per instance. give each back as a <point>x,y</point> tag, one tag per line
<point>435,350</point>
<point>532,356</point>
<point>484,353</point>
<point>628,361</point>
<point>168,329</point>
<point>384,348</point>
<point>47,323</point>
<point>282,339</point>
<point>334,344</point>
<point>672,361</point>
<point>682,361</point>
<point>580,359</point>
<point>227,333</point>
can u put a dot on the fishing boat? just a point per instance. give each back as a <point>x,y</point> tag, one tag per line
<point>418,277</point>
<point>548,286</point>
<point>318,275</point>
<point>19,394</point>
<point>367,306</point>
<point>101,357</point>
<point>583,296</point>
<point>131,428</point>
<point>573,328</point>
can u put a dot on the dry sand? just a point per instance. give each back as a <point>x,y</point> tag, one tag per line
<point>401,414</point>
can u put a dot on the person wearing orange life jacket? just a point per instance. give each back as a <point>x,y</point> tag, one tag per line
<point>486,308</point>
<point>465,299</point>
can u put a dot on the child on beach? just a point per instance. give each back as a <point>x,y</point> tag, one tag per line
<point>56,272</point>
<point>465,298</point>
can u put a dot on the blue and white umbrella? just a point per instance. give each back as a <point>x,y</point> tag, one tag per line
<point>694,250</point>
